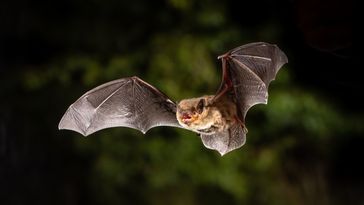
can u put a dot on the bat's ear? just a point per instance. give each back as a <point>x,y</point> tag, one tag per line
<point>200,106</point>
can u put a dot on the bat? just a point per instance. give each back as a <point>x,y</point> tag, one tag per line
<point>218,119</point>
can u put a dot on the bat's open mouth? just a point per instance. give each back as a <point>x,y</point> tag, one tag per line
<point>186,117</point>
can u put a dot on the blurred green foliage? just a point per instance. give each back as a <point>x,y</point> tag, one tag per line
<point>291,141</point>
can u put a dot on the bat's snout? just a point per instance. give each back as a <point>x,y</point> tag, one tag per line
<point>186,117</point>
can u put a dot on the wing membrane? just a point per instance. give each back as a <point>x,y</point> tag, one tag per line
<point>127,102</point>
<point>250,69</point>
<point>247,72</point>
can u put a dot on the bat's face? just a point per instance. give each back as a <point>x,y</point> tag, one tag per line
<point>192,111</point>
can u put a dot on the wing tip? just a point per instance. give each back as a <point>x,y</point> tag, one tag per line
<point>282,57</point>
<point>85,134</point>
<point>62,126</point>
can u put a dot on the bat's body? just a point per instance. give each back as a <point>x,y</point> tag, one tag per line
<point>205,115</point>
<point>219,119</point>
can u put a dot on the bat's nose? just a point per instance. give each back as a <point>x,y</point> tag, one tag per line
<point>186,116</point>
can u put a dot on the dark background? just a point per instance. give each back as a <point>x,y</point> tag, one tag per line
<point>304,147</point>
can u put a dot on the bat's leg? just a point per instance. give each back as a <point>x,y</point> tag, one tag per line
<point>238,120</point>
<point>242,124</point>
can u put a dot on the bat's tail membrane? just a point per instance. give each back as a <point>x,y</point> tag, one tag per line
<point>226,141</point>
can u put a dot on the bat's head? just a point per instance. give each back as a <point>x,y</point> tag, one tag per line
<point>191,110</point>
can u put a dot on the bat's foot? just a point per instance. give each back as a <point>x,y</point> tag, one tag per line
<point>242,124</point>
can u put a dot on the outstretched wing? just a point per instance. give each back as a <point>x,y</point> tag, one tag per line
<point>127,102</point>
<point>247,72</point>
<point>226,141</point>
<point>249,69</point>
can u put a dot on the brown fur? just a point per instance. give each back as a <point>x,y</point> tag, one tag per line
<point>216,116</point>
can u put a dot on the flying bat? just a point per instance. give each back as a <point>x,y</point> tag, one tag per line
<point>218,119</point>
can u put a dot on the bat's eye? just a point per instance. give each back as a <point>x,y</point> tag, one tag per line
<point>200,106</point>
